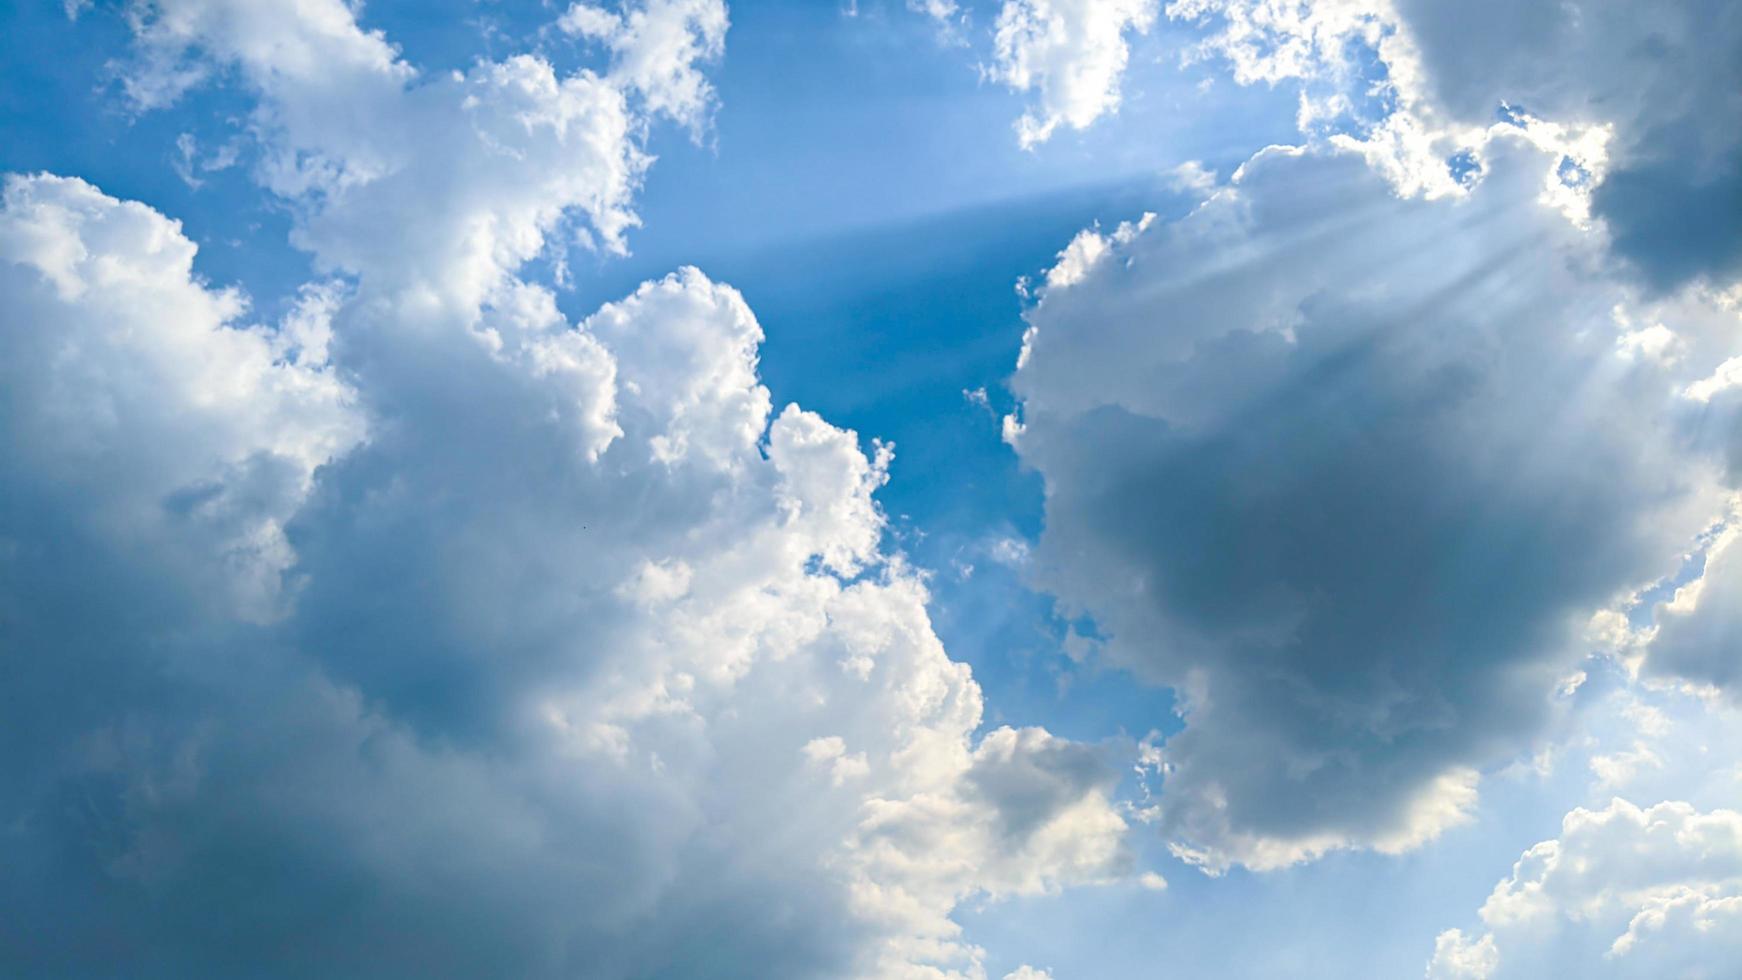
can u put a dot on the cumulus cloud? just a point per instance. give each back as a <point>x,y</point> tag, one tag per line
<point>1624,891</point>
<point>427,631</point>
<point>588,656</point>
<point>472,171</point>
<point>1639,143</point>
<point>1458,957</point>
<point>657,48</point>
<point>1350,471</point>
<point>140,397</point>
<point>1070,54</point>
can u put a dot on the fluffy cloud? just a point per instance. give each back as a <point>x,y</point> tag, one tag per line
<point>469,173</point>
<point>656,50</point>
<point>1624,891</point>
<point>588,660</point>
<point>138,400</point>
<point>1350,471</point>
<point>1649,149</point>
<point>1070,54</point>
<point>1458,957</point>
<point>428,631</point>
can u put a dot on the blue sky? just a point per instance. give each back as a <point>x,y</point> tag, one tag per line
<point>1306,549</point>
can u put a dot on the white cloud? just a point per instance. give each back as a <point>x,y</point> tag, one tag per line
<point>139,395</point>
<point>656,46</point>
<point>1010,551</point>
<point>551,644</point>
<point>1192,178</point>
<point>1624,891</point>
<point>1070,54</point>
<point>939,10</point>
<point>312,47</point>
<point>1286,440</point>
<point>1698,632</point>
<point>1412,88</point>
<point>1655,341</point>
<point>1457,957</point>
<point>437,186</point>
<point>1724,377</point>
<point>1089,248</point>
<point>582,618</point>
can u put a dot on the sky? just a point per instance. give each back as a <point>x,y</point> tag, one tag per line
<point>871,488</point>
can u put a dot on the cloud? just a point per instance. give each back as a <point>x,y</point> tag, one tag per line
<point>1652,153</point>
<point>1676,157</point>
<point>1624,891</point>
<point>656,47</point>
<point>1070,54</point>
<point>538,674</point>
<point>1458,957</point>
<point>470,171</point>
<point>1698,632</point>
<point>139,399</point>
<point>429,631</point>
<point>313,48</point>
<point>947,15</point>
<point>1351,471</point>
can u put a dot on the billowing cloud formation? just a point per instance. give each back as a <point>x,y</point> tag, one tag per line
<point>1351,471</point>
<point>1623,892</point>
<point>429,632</point>
<point>136,399</point>
<point>1070,54</point>
<point>1652,149</point>
<point>559,679</point>
<point>472,171</point>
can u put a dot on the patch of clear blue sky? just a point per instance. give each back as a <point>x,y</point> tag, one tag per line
<point>861,184</point>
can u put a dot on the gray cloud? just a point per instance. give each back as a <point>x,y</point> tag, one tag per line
<point>1351,471</point>
<point>1666,76</point>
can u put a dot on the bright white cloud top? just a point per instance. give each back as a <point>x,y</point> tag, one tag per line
<point>1070,54</point>
<point>1624,891</point>
<point>429,627</point>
